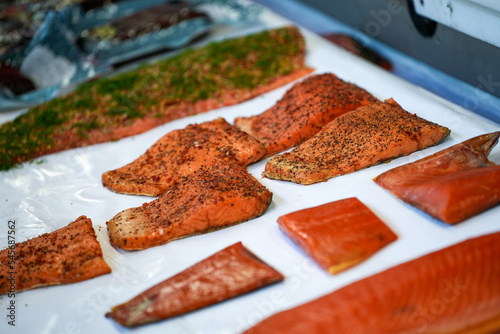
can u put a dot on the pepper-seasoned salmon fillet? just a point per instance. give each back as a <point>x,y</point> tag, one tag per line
<point>337,235</point>
<point>453,290</point>
<point>451,185</point>
<point>218,74</point>
<point>68,255</point>
<point>208,199</point>
<point>229,273</point>
<point>303,111</point>
<point>364,137</point>
<point>180,153</point>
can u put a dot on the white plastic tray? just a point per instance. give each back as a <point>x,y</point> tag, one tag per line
<point>44,197</point>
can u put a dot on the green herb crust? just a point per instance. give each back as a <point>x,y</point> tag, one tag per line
<point>193,81</point>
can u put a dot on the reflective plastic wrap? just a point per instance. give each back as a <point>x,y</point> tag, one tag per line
<point>80,41</point>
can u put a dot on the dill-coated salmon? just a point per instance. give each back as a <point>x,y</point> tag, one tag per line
<point>358,139</point>
<point>451,185</point>
<point>208,199</point>
<point>337,235</point>
<point>303,111</point>
<point>228,273</point>
<point>218,74</point>
<point>68,255</point>
<point>180,153</point>
<point>453,290</point>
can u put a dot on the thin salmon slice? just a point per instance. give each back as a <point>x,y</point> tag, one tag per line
<point>451,185</point>
<point>180,153</point>
<point>303,111</point>
<point>453,290</point>
<point>206,200</point>
<point>231,272</point>
<point>361,138</point>
<point>68,255</point>
<point>337,235</point>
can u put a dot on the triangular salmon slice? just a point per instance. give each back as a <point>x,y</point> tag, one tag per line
<point>228,273</point>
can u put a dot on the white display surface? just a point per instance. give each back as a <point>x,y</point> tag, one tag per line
<point>44,197</point>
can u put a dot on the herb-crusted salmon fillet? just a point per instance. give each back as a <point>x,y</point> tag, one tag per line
<point>364,137</point>
<point>194,81</point>
<point>208,199</point>
<point>180,153</point>
<point>68,255</point>
<point>451,185</point>
<point>303,111</point>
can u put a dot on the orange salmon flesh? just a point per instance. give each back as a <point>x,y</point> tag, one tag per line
<point>180,153</point>
<point>451,185</point>
<point>453,290</point>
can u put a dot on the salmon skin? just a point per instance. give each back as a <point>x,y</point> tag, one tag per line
<point>180,153</point>
<point>303,111</point>
<point>337,235</point>
<point>68,255</point>
<point>453,290</point>
<point>206,200</point>
<point>451,185</point>
<point>362,138</point>
<point>229,273</point>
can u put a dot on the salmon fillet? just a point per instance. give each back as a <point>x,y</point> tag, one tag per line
<point>180,153</point>
<point>208,199</point>
<point>451,185</point>
<point>453,290</point>
<point>231,272</point>
<point>191,82</point>
<point>337,235</point>
<point>361,138</point>
<point>303,111</point>
<point>68,255</point>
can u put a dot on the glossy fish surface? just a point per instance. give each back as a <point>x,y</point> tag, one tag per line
<point>453,290</point>
<point>451,185</point>
<point>337,235</point>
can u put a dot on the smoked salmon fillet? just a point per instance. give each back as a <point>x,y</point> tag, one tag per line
<point>453,290</point>
<point>303,111</point>
<point>218,74</point>
<point>68,255</point>
<point>180,153</point>
<point>337,235</point>
<point>208,199</point>
<point>367,136</point>
<point>231,272</point>
<point>451,185</point>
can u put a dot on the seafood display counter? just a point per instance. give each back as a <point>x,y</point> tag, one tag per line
<point>46,194</point>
